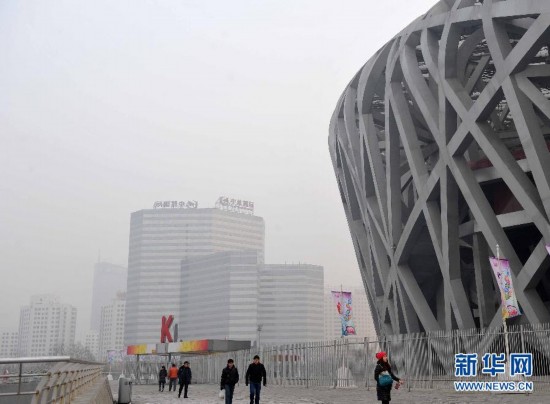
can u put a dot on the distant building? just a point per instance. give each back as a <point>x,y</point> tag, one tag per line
<point>9,342</point>
<point>291,303</point>
<point>159,240</point>
<point>233,295</point>
<point>219,296</point>
<point>111,334</point>
<point>46,326</point>
<point>109,279</point>
<point>361,315</point>
<point>91,343</point>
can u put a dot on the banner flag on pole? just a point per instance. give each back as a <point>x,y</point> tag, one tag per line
<point>114,356</point>
<point>111,356</point>
<point>501,268</point>
<point>342,300</point>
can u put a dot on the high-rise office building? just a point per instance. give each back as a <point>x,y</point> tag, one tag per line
<point>361,315</point>
<point>291,303</point>
<point>109,279</point>
<point>111,334</point>
<point>9,342</point>
<point>46,326</point>
<point>220,296</point>
<point>159,240</point>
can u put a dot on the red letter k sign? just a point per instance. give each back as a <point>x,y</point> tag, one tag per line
<point>165,329</point>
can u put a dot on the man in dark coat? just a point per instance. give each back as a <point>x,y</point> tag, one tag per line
<point>184,376</point>
<point>162,378</point>
<point>230,377</point>
<point>254,374</point>
<point>383,393</point>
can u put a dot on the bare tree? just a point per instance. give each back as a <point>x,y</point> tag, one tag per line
<point>76,351</point>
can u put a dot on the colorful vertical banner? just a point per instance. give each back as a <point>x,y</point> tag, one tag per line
<point>501,268</point>
<point>342,300</point>
<point>548,248</point>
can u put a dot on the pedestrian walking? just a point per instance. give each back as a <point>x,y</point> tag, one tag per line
<point>184,376</point>
<point>254,375</point>
<point>162,378</point>
<point>173,376</point>
<point>384,378</point>
<point>230,377</point>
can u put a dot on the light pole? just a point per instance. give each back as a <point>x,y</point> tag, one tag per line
<point>259,329</point>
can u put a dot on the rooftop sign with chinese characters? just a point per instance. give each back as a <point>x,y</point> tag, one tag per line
<point>235,205</point>
<point>176,204</point>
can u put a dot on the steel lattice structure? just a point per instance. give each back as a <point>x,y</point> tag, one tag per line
<point>440,148</point>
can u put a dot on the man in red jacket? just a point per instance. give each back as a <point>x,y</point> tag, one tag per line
<point>173,376</point>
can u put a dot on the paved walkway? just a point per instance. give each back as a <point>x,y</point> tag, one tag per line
<point>208,394</point>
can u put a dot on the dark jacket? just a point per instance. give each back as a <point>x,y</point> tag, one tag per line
<point>255,373</point>
<point>383,393</point>
<point>184,375</point>
<point>162,375</point>
<point>229,376</point>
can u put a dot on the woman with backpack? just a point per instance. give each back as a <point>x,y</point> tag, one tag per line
<point>384,378</point>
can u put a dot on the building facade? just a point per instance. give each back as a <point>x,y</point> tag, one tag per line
<point>159,240</point>
<point>109,279</point>
<point>233,295</point>
<point>440,144</point>
<point>46,326</point>
<point>9,344</point>
<point>91,343</point>
<point>220,296</point>
<point>291,303</point>
<point>111,330</point>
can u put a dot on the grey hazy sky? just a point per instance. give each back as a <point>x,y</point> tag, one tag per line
<point>107,106</point>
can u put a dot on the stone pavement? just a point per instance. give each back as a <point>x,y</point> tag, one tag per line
<point>208,394</point>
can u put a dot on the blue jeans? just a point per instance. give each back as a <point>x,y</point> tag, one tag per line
<point>229,388</point>
<point>255,391</point>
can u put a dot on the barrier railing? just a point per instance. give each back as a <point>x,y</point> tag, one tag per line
<point>56,379</point>
<point>425,360</point>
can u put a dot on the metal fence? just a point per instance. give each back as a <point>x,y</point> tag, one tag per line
<point>54,379</point>
<point>424,360</point>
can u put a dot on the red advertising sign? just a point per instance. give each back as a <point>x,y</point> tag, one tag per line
<point>165,329</point>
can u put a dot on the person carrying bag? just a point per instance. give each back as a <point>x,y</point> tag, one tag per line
<point>230,377</point>
<point>384,378</point>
